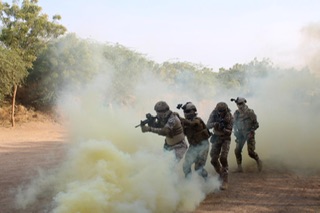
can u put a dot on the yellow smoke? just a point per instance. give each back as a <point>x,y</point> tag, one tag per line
<point>110,166</point>
<point>113,167</point>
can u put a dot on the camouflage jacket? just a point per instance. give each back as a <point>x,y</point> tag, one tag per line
<point>222,126</point>
<point>171,129</point>
<point>245,121</point>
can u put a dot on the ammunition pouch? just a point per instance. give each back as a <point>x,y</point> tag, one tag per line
<point>202,135</point>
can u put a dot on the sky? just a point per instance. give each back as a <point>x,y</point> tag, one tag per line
<point>212,33</point>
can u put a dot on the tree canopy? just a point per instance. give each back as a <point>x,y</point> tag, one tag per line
<point>25,32</point>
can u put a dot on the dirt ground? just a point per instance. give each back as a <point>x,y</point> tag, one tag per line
<point>41,144</point>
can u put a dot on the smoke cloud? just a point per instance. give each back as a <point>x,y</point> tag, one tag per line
<point>111,166</point>
<point>310,47</point>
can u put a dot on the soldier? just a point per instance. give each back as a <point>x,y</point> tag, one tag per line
<point>168,124</point>
<point>197,134</point>
<point>221,121</point>
<point>245,126</point>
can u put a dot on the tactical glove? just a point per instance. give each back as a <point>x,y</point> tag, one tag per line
<point>145,129</point>
<point>216,125</point>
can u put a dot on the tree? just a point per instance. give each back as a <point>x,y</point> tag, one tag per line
<point>25,33</point>
<point>67,62</point>
<point>9,63</point>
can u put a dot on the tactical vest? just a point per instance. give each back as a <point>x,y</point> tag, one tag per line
<point>245,121</point>
<point>177,134</point>
<point>198,133</point>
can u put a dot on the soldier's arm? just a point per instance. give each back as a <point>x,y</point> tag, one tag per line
<point>165,131</point>
<point>194,122</point>
<point>235,120</point>
<point>255,123</point>
<point>228,124</point>
<point>210,121</point>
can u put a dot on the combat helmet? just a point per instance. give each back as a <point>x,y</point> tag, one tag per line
<point>161,106</point>
<point>163,110</point>
<point>222,107</point>
<point>239,100</point>
<point>189,110</point>
<point>189,106</point>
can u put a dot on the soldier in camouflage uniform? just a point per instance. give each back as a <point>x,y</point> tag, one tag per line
<point>168,124</point>
<point>245,126</point>
<point>221,121</point>
<point>197,134</point>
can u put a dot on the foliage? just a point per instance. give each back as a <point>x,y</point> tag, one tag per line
<point>24,34</point>
<point>126,69</point>
<point>238,78</point>
<point>67,62</point>
<point>71,63</point>
<point>26,30</point>
<point>191,78</point>
<point>9,63</point>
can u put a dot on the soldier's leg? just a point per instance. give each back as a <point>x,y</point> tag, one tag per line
<point>224,164</point>
<point>214,154</point>
<point>251,143</point>
<point>189,159</point>
<point>202,158</point>
<point>180,149</point>
<point>237,152</point>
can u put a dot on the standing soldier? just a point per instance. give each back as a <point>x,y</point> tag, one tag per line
<point>197,134</point>
<point>168,124</point>
<point>245,126</point>
<point>221,121</point>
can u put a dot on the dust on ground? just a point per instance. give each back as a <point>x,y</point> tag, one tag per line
<point>40,144</point>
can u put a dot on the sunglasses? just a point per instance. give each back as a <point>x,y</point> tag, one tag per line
<point>187,111</point>
<point>240,104</point>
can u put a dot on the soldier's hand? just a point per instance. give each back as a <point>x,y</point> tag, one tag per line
<point>145,129</point>
<point>216,125</point>
<point>148,115</point>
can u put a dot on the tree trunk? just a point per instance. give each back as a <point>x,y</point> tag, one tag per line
<point>15,87</point>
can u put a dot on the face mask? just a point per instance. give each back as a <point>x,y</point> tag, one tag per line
<point>189,114</point>
<point>240,106</point>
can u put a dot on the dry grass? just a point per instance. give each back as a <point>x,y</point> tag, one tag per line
<point>22,115</point>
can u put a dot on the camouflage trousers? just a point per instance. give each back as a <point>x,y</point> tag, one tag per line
<point>219,156</point>
<point>251,146</point>
<point>197,155</point>
<point>179,149</point>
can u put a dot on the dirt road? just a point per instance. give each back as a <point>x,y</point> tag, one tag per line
<point>41,144</point>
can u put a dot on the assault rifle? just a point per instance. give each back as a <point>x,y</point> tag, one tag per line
<point>221,121</point>
<point>150,119</point>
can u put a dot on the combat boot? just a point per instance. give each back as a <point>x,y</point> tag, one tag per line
<point>224,185</point>
<point>259,164</point>
<point>239,169</point>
